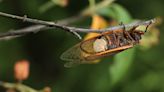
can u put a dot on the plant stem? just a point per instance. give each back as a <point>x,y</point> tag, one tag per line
<point>52,25</point>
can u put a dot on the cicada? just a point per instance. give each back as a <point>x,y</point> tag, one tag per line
<point>106,44</point>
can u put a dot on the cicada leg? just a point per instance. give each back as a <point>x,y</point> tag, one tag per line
<point>134,34</point>
<point>148,26</point>
<point>126,34</point>
<point>115,36</point>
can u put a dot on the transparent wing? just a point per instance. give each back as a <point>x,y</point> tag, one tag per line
<point>87,46</point>
<point>74,55</point>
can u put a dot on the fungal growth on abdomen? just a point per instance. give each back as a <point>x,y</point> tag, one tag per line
<point>100,45</point>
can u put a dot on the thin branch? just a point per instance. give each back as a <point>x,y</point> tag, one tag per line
<point>17,33</point>
<point>31,29</point>
<point>52,25</point>
<point>36,28</point>
<point>20,87</point>
<point>36,21</point>
<point>76,34</point>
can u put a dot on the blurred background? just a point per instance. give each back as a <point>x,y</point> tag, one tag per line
<point>140,69</point>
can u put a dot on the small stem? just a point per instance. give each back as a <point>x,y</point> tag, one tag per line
<point>19,87</point>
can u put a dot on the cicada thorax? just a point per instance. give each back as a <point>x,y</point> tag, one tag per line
<point>110,43</point>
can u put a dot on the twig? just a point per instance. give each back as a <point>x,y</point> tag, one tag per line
<point>36,21</point>
<point>12,34</point>
<point>36,28</point>
<point>20,87</point>
<point>51,25</point>
<point>17,86</point>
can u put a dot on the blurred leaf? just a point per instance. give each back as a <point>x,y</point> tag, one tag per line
<point>98,7</point>
<point>99,79</point>
<point>150,81</point>
<point>121,14</point>
<point>50,4</point>
<point>122,63</point>
<point>117,12</point>
<point>62,3</point>
<point>46,6</point>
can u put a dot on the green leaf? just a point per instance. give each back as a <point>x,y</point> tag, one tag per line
<point>45,7</point>
<point>121,14</point>
<point>117,12</point>
<point>122,63</point>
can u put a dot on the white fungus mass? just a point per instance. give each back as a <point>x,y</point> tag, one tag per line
<point>100,45</point>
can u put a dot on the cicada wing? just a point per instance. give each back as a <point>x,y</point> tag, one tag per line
<point>87,46</point>
<point>74,55</point>
<point>71,64</point>
<point>98,56</point>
